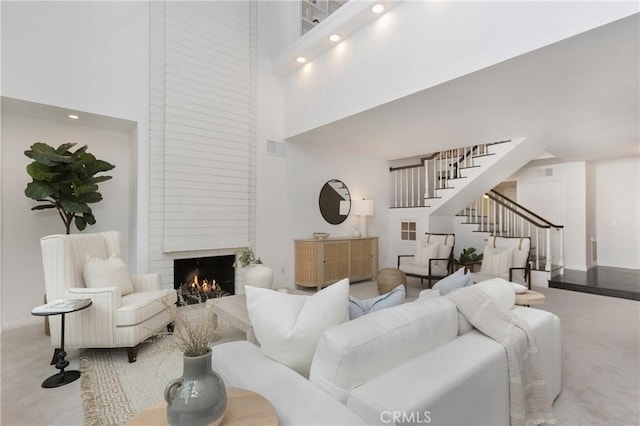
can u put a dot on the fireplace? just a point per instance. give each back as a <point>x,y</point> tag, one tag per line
<point>202,278</point>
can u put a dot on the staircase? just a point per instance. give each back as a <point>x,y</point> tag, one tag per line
<point>447,184</point>
<point>496,214</point>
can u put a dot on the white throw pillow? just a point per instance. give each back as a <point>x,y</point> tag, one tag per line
<point>111,272</point>
<point>498,289</point>
<point>428,293</point>
<point>424,252</point>
<point>289,326</point>
<point>496,261</point>
<point>453,282</point>
<point>444,251</point>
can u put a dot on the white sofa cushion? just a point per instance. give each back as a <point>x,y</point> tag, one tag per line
<point>288,326</point>
<point>358,308</point>
<point>138,307</point>
<point>356,351</point>
<point>296,400</point>
<point>110,272</point>
<point>464,382</point>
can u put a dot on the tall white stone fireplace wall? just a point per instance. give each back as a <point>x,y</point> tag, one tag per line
<point>202,137</point>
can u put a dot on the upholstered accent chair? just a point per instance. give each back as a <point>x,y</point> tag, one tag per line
<point>508,258</point>
<point>432,260</point>
<point>126,310</point>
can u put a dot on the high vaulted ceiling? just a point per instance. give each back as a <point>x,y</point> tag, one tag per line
<point>579,97</point>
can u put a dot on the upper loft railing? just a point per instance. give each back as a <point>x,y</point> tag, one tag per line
<point>503,217</point>
<point>414,185</point>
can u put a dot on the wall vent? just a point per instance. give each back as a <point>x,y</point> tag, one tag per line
<point>594,250</point>
<point>276,148</point>
<point>545,172</point>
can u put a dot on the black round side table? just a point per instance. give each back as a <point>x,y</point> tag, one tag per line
<point>61,308</point>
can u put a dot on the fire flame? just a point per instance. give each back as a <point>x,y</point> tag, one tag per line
<point>204,287</point>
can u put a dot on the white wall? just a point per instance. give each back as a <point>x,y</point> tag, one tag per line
<point>85,56</point>
<point>22,276</point>
<point>288,186</point>
<point>431,42</point>
<point>618,212</point>
<point>559,195</point>
<point>309,167</point>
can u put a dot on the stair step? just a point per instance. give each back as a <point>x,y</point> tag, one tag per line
<point>482,155</point>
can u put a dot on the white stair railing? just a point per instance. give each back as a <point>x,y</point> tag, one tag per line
<point>414,185</point>
<point>503,217</point>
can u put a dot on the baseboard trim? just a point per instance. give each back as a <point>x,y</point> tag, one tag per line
<point>10,325</point>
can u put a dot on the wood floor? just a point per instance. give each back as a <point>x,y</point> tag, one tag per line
<point>602,280</point>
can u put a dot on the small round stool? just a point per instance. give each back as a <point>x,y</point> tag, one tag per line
<point>390,278</point>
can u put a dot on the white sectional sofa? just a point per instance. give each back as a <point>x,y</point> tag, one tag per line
<point>402,365</point>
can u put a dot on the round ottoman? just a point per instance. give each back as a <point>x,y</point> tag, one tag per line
<point>390,278</point>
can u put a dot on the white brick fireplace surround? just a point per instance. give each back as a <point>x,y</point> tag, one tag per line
<point>202,68</point>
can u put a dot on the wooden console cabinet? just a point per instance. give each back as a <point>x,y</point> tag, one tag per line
<point>323,262</point>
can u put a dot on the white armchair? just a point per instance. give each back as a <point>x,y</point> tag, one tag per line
<point>115,319</point>
<point>433,259</point>
<point>506,257</point>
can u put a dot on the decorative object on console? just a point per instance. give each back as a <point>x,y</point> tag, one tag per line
<point>289,326</point>
<point>65,181</point>
<point>334,201</point>
<point>358,308</point>
<point>363,208</point>
<point>199,396</point>
<point>256,274</point>
<point>320,235</point>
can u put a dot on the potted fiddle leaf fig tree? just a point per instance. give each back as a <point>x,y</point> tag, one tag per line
<point>66,181</point>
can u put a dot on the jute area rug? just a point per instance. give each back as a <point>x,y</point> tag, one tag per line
<point>113,390</point>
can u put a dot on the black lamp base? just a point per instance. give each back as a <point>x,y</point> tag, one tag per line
<point>61,379</point>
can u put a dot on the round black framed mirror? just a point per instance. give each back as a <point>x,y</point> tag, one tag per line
<point>335,201</point>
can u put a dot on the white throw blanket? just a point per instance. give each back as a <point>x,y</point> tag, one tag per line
<point>529,401</point>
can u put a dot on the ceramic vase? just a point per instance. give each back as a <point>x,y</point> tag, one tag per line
<point>199,397</point>
<point>258,275</point>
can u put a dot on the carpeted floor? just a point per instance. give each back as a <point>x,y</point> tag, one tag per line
<point>600,358</point>
<point>114,390</point>
<point>600,347</point>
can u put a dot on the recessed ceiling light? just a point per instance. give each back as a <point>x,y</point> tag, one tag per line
<point>301,59</point>
<point>73,116</point>
<point>334,37</point>
<point>377,8</point>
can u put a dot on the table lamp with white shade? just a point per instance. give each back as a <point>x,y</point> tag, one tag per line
<point>363,208</point>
